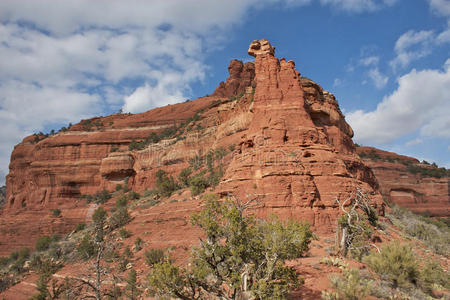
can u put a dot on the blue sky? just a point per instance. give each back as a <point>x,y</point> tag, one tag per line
<point>387,61</point>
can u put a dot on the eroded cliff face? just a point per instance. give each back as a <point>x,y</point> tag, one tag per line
<point>297,155</point>
<point>292,150</point>
<point>405,181</point>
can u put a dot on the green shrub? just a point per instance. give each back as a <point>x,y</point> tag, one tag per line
<point>124,233</point>
<point>86,248</point>
<point>43,242</point>
<point>154,256</point>
<point>56,212</point>
<point>134,195</point>
<point>396,263</point>
<point>4,261</point>
<point>118,187</point>
<point>119,218</point>
<point>102,197</point>
<point>121,201</point>
<point>80,227</point>
<point>351,286</point>
<point>235,244</point>
<point>165,185</point>
<point>198,184</point>
<point>436,237</point>
<point>184,175</point>
<point>138,244</point>
<point>432,274</point>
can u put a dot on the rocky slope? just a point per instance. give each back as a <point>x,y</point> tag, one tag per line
<point>405,181</point>
<point>286,142</point>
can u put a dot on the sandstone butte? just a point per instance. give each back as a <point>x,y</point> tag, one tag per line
<point>288,146</point>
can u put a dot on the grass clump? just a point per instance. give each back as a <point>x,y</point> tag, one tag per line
<point>396,263</point>
<point>351,285</point>
<point>154,256</point>
<point>436,237</point>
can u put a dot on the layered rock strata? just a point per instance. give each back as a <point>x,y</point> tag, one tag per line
<point>405,181</point>
<point>292,150</point>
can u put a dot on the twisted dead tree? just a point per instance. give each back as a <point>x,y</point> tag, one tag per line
<point>354,228</point>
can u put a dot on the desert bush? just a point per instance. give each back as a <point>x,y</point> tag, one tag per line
<point>154,256</point>
<point>351,286</point>
<point>121,201</point>
<point>56,212</point>
<point>43,242</point>
<point>198,184</point>
<point>437,238</point>
<point>86,248</point>
<point>80,227</point>
<point>183,177</point>
<point>102,197</point>
<point>124,233</point>
<point>395,263</point>
<point>119,218</point>
<point>133,195</point>
<point>4,261</point>
<point>165,185</point>
<point>138,244</point>
<point>432,274</point>
<point>239,256</point>
<point>118,187</point>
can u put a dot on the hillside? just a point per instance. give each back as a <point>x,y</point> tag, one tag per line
<point>403,180</point>
<point>267,136</point>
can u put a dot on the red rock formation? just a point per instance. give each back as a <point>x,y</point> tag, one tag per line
<point>297,154</point>
<point>398,183</point>
<point>241,76</point>
<point>294,151</point>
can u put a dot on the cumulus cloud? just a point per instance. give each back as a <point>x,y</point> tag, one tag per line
<point>440,7</point>
<point>369,61</point>
<point>379,80</point>
<point>411,46</point>
<point>421,102</point>
<point>69,61</point>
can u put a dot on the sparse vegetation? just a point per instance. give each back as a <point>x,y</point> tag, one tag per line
<point>165,185</point>
<point>124,233</point>
<point>56,212</point>
<point>350,285</point>
<point>98,198</point>
<point>154,256</point>
<point>355,226</point>
<point>138,244</point>
<point>80,227</point>
<point>43,242</point>
<point>395,263</point>
<point>434,234</point>
<point>239,256</point>
<point>430,170</point>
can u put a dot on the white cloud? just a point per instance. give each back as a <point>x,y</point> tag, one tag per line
<point>440,7</point>
<point>359,5</point>
<point>414,142</point>
<point>61,62</point>
<point>444,36</point>
<point>337,82</point>
<point>411,46</point>
<point>379,80</point>
<point>421,102</point>
<point>369,61</point>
